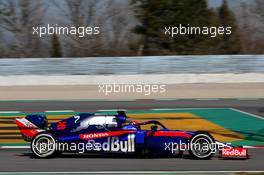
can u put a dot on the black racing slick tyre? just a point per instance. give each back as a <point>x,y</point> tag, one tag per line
<point>43,145</point>
<point>202,145</point>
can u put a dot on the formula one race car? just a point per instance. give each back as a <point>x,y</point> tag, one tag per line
<point>90,132</point>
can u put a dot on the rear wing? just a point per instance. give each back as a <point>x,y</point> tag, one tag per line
<point>27,129</point>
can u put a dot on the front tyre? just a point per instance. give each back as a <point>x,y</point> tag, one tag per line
<point>43,145</point>
<point>201,145</point>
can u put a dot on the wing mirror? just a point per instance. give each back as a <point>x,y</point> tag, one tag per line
<point>154,128</point>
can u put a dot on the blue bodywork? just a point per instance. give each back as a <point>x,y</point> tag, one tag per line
<point>116,134</point>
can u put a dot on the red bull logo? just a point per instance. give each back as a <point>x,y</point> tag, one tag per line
<point>234,152</point>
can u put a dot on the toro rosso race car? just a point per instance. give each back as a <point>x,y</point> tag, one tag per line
<point>90,132</point>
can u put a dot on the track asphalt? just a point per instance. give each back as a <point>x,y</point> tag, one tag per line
<point>22,160</point>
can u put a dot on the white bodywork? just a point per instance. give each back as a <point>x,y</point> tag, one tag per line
<point>100,121</point>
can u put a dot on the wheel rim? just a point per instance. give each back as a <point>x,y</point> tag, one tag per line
<point>43,145</point>
<point>201,147</point>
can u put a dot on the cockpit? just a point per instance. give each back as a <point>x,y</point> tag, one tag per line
<point>152,125</point>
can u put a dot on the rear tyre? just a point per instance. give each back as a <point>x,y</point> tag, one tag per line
<point>43,145</point>
<point>201,145</point>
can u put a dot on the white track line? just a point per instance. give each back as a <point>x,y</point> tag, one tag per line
<point>166,99</point>
<point>184,109</point>
<point>6,112</point>
<point>247,113</point>
<point>104,110</point>
<point>130,172</point>
<point>60,111</point>
<point>206,99</point>
<point>14,147</point>
<point>248,99</point>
